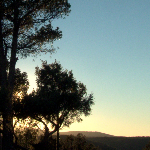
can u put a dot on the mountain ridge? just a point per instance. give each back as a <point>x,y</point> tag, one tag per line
<point>87,133</point>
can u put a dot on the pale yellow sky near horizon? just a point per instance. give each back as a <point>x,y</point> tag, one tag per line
<point>103,123</point>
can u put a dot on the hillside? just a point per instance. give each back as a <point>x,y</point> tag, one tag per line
<point>110,142</point>
<point>120,143</point>
<point>86,133</point>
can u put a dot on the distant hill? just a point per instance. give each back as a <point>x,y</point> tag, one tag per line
<point>109,142</point>
<point>120,143</point>
<point>87,133</point>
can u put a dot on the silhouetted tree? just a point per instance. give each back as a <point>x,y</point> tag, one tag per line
<point>67,98</point>
<point>21,85</point>
<point>59,100</point>
<point>25,26</point>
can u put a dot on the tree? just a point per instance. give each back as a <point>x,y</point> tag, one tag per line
<point>67,98</point>
<point>59,100</point>
<point>25,26</point>
<point>21,85</point>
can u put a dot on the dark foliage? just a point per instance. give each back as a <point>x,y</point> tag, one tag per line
<point>147,147</point>
<point>25,28</point>
<point>21,86</point>
<point>59,100</point>
<point>46,144</point>
<point>78,142</point>
<point>120,143</point>
<point>31,20</point>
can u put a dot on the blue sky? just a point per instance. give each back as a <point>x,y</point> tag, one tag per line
<point>106,43</point>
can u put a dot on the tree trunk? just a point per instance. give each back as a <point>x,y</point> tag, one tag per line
<point>57,141</point>
<point>7,125</point>
<point>8,85</point>
<point>6,108</point>
<point>57,147</point>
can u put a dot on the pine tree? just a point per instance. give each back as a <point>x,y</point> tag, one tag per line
<point>25,28</point>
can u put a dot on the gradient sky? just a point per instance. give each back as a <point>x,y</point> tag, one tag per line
<point>106,43</point>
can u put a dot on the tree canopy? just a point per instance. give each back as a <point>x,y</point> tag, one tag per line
<point>21,83</point>
<point>21,86</point>
<point>29,22</point>
<point>25,28</point>
<point>59,99</point>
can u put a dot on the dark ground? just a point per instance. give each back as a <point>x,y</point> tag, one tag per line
<point>118,143</point>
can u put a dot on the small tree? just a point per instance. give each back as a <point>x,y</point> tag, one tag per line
<point>67,98</point>
<point>59,100</point>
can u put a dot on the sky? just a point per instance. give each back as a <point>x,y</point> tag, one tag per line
<point>106,43</point>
